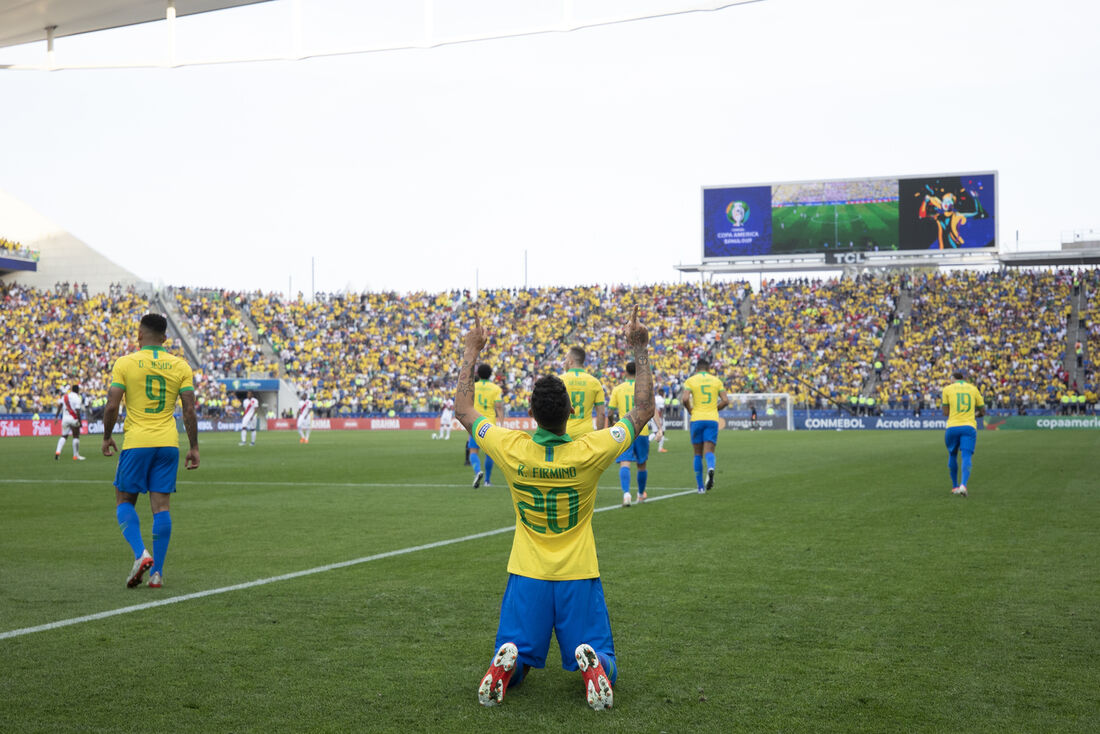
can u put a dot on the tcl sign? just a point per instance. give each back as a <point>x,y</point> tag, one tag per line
<point>846,258</point>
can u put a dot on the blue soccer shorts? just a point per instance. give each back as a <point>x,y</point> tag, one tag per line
<point>575,611</point>
<point>702,431</point>
<point>148,469</point>
<point>471,444</point>
<point>638,451</point>
<point>963,438</point>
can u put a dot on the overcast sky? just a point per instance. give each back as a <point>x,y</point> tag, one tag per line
<point>418,169</point>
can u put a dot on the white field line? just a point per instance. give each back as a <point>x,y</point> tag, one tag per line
<point>288,576</point>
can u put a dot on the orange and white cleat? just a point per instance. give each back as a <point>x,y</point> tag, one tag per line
<point>960,491</point>
<point>597,686</point>
<point>141,565</point>
<point>493,686</point>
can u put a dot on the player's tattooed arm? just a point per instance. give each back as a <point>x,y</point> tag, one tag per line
<point>644,403</point>
<point>473,343</point>
<point>191,425</point>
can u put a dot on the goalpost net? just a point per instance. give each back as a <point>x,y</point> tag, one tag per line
<point>774,411</point>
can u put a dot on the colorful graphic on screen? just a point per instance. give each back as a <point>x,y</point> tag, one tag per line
<point>947,212</point>
<point>861,215</point>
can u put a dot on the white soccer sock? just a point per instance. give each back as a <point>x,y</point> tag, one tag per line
<point>243,434</point>
<point>60,445</point>
<point>253,435</point>
<point>307,433</point>
<point>76,446</point>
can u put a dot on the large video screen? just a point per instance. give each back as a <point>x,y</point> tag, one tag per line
<point>939,212</point>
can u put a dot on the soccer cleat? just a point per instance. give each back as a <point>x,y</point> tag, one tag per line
<point>626,499</point>
<point>141,565</point>
<point>155,581</point>
<point>642,497</point>
<point>477,479</point>
<point>301,440</point>
<point>78,457</point>
<point>57,456</point>
<point>488,484</point>
<point>960,491</point>
<point>241,443</point>
<point>663,451</point>
<point>702,491</point>
<point>710,480</point>
<point>493,686</point>
<point>597,686</point>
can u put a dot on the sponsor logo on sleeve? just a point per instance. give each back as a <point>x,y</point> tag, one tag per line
<point>483,430</point>
<point>618,433</point>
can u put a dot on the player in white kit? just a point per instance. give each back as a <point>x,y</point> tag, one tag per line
<point>446,420</point>
<point>305,418</point>
<point>68,411</point>
<point>659,415</point>
<point>250,406</point>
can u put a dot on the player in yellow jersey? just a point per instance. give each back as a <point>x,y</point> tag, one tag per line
<point>962,405</point>
<point>489,403</point>
<point>554,577</point>
<point>622,401</point>
<point>585,395</point>
<point>150,379</point>
<point>703,396</point>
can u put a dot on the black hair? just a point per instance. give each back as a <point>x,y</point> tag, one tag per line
<point>631,368</point>
<point>550,406</point>
<point>155,323</point>
<point>959,375</point>
<point>577,353</point>
<point>484,371</point>
<point>75,388</point>
<point>702,363</point>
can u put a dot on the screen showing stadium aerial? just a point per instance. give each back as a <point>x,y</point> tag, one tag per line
<point>863,215</point>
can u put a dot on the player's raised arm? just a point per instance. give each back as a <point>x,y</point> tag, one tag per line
<point>644,404</point>
<point>473,343</point>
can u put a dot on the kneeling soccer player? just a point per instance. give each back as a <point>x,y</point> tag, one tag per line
<point>554,578</point>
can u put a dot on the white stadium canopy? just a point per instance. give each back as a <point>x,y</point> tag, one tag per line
<point>24,21</point>
<point>306,28</point>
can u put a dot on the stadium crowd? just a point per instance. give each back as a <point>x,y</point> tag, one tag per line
<point>816,339</point>
<point>11,248</point>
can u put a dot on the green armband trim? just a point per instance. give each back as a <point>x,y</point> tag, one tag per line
<point>115,384</point>
<point>185,389</point>
<point>630,428</point>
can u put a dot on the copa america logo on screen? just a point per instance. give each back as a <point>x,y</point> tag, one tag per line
<point>738,213</point>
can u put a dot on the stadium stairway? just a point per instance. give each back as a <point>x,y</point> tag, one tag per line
<point>890,338</point>
<point>177,326</point>
<point>1075,332</point>
<point>265,344</point>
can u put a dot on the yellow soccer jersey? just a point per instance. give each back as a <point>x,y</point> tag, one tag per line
<point>622,400</point>
<point>552,480</point>
<point>962,399</point>
<point>486,396</point>
<point>152,379</point>
<point>585,393</point>
<point>705,390</point>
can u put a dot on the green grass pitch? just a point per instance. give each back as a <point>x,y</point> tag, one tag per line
<point>866,225</point>
<point>829,583</point>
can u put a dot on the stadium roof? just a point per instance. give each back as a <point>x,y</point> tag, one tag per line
<point>25,21</point>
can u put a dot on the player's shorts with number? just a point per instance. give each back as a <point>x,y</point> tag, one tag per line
<point>148,469</point>
<point>702,431</point>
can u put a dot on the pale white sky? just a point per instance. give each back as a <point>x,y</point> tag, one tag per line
<point>415,169</point>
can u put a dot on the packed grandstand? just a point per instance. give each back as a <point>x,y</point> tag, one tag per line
<point>870,343</point>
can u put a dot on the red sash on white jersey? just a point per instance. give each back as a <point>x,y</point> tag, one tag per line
<point>304,407</point>
<point>250,409</point>
<point>73,413</point>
